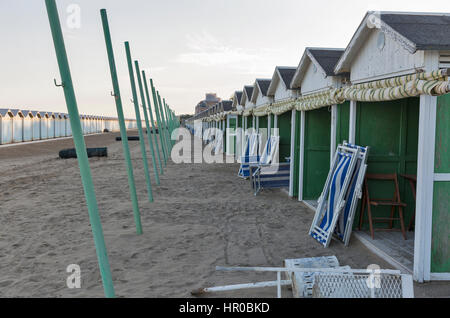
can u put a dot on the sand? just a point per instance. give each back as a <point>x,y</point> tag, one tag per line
<point>203,216</point>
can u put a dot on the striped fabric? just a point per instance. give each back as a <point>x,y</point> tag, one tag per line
<point>247,112</point>
<point>281,107</point>
<point>319,100</point>
<point>250,156</point>
<point>262,111</point>
<point>322,231</point>
<point>424,83</point>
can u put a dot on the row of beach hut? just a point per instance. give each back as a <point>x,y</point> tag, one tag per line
<point>25,125</point>
<point>388,89</point>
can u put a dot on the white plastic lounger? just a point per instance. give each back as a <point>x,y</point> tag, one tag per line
<point>331,282</point>
<point>250,156</point>
<point>363,284</point>
<point>331,202</point>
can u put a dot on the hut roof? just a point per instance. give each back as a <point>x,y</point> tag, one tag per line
<point>327,58</point>
<point>248,91</point>
<point>4,111</point>
<point>227,105</point>
<point>324,59</point>
<point>238,95</point>
<point>283,73</point>
<point>263,85</point>
<point>414,31</point>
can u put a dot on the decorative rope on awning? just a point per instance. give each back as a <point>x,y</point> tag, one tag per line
<point>262,111</point>
<point>247,112</point>
<point>319,100</point>
<point>432,83</point>
<point>282,107</point>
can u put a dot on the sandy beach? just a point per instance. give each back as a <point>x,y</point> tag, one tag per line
<point>203,216</point>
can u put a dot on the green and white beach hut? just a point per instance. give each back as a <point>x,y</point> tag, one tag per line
<point>314,145</point>
<point>400,107</point>
<point>281,93</point>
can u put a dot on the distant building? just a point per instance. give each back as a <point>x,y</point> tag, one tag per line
<point>210,100</point>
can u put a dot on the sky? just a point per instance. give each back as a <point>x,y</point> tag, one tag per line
<point>189,47</point>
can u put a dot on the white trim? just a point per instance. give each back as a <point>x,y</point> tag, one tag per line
<point>333,132</point>
<point>275,125</point>
<point>425,178</point>
<point>440,276</point>
<point>352,123</point>
<point>291,172</point>
<point>269,125</point>
<point>301,156</point>
<point>441,177</point>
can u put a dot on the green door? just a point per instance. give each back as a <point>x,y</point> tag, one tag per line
<point>233,127</point>
<point>440,251</point>
<point>317,152</point>
<point>343,120</point>
<point>296,154</point>
<point>249,122</point>
<point>390,129</point>
<point>284,126</point>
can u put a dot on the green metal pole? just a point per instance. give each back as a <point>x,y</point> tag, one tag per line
<point>139,122</point>
<point>123,128</point>
<point>158,119</point>
<point>169,138</point>
<point>144,106</point>
<point>166,137</point>
<point>80,146</point>
<point>144,79</point>
<point>169,123</point>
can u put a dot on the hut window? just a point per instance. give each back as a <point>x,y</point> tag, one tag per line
<point>381,41</point>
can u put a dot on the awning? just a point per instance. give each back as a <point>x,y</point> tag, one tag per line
<point>282,107</point>
<point>433,83</point>
<point>262,110</point>
<point>319,100</point>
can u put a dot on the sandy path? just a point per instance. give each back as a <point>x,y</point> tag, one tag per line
<point>203,216</point>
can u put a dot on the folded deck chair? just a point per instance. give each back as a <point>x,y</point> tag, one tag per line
<point>269,173</point>
<point>218,143</point>
<point>250,156</point>
<point>344,225</point>
<point>332,200</point>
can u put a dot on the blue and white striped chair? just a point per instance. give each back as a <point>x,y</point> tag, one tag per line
<point>345,222</point>
<point>332,200</point>
<point>250,156</point>
<point>269,173</point>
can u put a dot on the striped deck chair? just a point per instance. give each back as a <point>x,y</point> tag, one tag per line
<point>331,202</point>
<point>345,222</point>
<point>269,173</point>
<point>206,136</point>
<point>250,156</point>
<point>218,143</point>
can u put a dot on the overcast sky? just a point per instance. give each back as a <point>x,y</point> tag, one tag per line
<point>189,47</point>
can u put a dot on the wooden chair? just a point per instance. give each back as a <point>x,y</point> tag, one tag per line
<point>395,202</point>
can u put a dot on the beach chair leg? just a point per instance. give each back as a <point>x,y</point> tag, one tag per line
<point>402,222</point>
<point>361,212</point>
